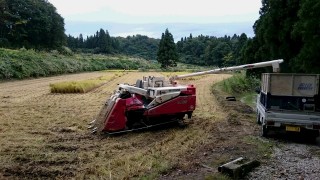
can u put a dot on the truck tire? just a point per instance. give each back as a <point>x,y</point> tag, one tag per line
<point>312,135</point>
<point>258,118</point>
<point>264,130</point>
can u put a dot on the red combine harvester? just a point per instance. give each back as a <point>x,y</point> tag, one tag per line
<point>154,101</point>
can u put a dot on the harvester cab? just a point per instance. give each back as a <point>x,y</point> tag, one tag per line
<point>154,101</point>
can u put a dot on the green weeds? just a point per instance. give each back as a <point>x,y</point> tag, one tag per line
<point>239,84</point>
<point>21,64</point>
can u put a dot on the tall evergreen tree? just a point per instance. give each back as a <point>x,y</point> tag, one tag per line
<point>287,29</point>
<point>167,54</point>
<point>308,28</point>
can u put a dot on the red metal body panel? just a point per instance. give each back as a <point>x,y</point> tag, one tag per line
<point>134,102</point>
<point>191,90</point>
<point>116,120</point>
<point>181,104</point>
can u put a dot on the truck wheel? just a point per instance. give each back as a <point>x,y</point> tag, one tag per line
<point>264,130</point>
<point>258,118</point>
<point>312,135</point>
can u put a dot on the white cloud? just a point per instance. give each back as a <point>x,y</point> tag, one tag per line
<point>185,8</point>
<point>72,7</point>
<point>150,8</point>
<point>95,14</point>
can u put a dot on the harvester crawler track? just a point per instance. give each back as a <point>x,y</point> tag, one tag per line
<point>178,122</point>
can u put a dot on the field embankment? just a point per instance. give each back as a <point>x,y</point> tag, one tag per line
<point>21,64</point>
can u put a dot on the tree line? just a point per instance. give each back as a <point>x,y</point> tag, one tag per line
<point>101,42</point>
<point>201,50</point>
<point>211,50</point>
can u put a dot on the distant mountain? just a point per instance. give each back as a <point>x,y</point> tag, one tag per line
<point>156,29</point>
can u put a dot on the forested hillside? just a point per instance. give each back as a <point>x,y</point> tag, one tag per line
<point>288,29</point>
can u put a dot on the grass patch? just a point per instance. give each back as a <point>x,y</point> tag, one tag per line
<point>82,86</point>
<point>239,84</point>
<point>263,147</point>
<point>249,99</point>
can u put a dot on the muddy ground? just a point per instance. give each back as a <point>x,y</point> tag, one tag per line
<point>45,136</point>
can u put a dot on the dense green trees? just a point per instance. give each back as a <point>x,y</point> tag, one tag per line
<point>288,29</point>
<point>205,50</point>
<point>30,24</point>
<point>102,42</point>
<point>139,46</point>
<point>167,54</point>
<point>308,29</point>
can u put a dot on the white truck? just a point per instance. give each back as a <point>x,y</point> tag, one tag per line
<point>289,102</point>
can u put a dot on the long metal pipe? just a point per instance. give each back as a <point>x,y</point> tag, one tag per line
<point>273,63</point>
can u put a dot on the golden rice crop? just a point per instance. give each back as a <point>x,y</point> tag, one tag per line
<point>82,86</point>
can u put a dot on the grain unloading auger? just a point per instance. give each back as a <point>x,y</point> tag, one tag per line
<point>154,101</point>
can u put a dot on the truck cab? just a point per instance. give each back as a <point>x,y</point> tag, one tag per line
<point>289,102</point>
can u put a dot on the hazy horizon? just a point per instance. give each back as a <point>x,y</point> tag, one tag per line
<point>154,30</point>
<point>151,18</point>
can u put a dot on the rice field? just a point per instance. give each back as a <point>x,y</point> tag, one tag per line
<point>44,135</point>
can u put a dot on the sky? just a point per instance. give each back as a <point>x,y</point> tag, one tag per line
<point>152,17</point>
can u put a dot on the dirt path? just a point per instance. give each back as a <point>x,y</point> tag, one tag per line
<point>206,105</point>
